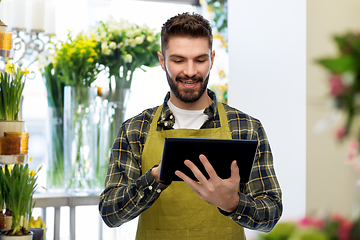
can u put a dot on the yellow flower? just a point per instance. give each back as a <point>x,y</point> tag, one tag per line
<point>90,60</point>
<point>9,68</point>
<point>25,72</point>
<point>38,223</point>
<point>222,74</point>
<point>32,173</point>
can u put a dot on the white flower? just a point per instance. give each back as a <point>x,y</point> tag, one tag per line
<point>120,44</point>
<point>128,58</point>
<point>132,42</point>
<point>102,36</point>
<point>106,51</point>
<point>139,39</point>
<point>137,31</point>
<point>112,45</point>
<point>130,33</point>
<point>150,38</point>
<point>104,45</point>
<point>45,58</point>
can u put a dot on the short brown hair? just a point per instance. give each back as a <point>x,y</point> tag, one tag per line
<point>186,25</point>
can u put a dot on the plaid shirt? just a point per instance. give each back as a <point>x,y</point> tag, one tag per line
<point>129,191</point>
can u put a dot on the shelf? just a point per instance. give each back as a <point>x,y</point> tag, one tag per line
<point>13,159</point>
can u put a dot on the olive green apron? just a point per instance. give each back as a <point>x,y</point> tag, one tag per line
<point>179,213</point>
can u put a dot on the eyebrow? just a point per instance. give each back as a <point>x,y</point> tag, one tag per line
<point>179,56</point>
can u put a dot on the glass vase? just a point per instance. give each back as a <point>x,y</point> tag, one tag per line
<point>55,140</point>
<point>80,139</point>
<point>111,117</point>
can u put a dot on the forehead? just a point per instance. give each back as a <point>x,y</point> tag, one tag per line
<point>187,46</point>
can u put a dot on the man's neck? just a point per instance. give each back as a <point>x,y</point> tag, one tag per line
<point>200,104</point>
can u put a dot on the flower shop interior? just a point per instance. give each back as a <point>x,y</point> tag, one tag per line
<point>291,64</point>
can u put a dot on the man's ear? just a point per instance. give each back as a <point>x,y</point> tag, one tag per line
<point>161,60</point>
<point>212,58</point>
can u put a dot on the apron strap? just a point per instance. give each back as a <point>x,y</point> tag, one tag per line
<point>153,125</point>
<point>222,115</point>
<point>220,108</point>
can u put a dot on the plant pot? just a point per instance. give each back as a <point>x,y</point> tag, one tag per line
<point>8,222</point>
<point>11,126</point>
<point>38,233</point>
<point>22,237</point>
<point>2,221</point>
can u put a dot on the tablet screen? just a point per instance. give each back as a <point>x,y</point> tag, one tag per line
<point>220,153</point>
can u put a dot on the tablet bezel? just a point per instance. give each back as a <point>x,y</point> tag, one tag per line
<point>174,155</point>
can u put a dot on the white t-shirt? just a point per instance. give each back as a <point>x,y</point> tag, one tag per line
<point>190,119</point>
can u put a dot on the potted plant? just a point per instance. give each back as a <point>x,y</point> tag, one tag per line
<point>18,184</point>
<point>12,82</point>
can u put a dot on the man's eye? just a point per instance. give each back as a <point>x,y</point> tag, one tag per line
<point>201,61</point>
<point>178,61</point>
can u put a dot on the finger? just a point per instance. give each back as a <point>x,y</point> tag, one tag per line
<point>208,167</point>
<point>195,170</point>
<point>235,171</point>
<point>194,185</point>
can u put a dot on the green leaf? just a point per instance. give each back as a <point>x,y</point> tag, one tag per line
<point>338,65</point>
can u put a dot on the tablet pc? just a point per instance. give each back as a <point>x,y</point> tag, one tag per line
<point>220,153</point>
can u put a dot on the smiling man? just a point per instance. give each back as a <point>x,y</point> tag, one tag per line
<point>211,208</point>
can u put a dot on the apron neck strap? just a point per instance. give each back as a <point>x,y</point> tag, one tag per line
<point>220,108</point>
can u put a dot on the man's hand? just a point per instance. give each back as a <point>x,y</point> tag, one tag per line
<point>222,193</point>
<point>155,172</point>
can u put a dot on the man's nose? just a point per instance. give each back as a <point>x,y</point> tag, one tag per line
<point>190,69</point>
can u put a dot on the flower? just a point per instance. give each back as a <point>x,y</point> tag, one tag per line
<point>344,82</point>
<point>336,85</point>
<point>76,59</point>
<point>12,83</point>
<point>124,46</point>
<point>17,186</point>
<point>341,133</point>
<point>332,227</point>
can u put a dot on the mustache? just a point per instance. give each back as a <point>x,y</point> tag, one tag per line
<point>193,78</point>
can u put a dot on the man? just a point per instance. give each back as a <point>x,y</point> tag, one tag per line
<point>214,208</point>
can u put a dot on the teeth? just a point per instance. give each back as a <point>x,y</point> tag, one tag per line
<point>188,83</point>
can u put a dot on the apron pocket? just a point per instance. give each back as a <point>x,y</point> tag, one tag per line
<point>224,233</point>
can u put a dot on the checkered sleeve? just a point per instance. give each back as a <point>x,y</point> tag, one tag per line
<point>260,206</point>
<point>128,192</point>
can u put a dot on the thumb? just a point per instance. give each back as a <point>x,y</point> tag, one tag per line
<point>235,171</point>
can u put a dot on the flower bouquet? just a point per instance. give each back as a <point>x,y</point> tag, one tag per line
<point>123,47</point>
<point>76,60</point>
<point>344,87</point>
<point>17,186</point>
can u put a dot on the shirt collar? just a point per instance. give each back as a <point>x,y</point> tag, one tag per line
<point>167,118</point>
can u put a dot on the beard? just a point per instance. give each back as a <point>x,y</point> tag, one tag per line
<point>188,95</point>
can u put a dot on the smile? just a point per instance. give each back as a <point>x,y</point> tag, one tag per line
<point>189,82</point>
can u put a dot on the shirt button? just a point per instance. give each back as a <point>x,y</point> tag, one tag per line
<point>239,217</point>
<point>150,188</point>
<point>171,116</point>
<point>165,124</point>
<point>158,190</point>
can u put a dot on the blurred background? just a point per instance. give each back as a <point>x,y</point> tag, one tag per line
<point>267,63</point>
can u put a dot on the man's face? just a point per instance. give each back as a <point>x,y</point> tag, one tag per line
<point>187,63</point>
